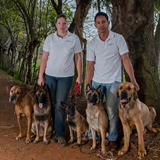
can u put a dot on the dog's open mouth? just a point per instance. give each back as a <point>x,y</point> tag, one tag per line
<point>40,105</point>
<point>125,101</point>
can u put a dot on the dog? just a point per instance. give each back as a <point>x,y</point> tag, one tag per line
<point>134,115</point>
<point>76,123</point>
<point>23,107</point>
<point>96,116</point>
<point>42,114</point>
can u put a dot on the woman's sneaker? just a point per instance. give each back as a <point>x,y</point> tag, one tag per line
<point>53,138</point>
<point>62,141</point>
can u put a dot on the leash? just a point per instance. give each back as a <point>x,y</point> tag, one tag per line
<point>76,90</point>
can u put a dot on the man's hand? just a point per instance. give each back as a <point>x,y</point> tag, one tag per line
<point>136,85</point>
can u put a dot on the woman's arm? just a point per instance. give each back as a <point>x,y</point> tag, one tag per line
<point>42,67</point>
<point>78,62</point>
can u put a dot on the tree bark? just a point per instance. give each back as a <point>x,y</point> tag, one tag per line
<point>134,20</point>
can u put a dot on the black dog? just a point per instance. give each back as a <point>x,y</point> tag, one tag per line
<point>42,114</point>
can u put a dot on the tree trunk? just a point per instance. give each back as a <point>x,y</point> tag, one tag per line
<point>134,20</point>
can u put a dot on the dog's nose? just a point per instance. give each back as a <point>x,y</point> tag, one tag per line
<point>12,98</point>
<point>124,93</point>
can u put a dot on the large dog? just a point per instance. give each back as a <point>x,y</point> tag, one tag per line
<point>42,114</point>
<point>134,115</point>
<point>23,107</point>
<point>96,116</point>
<point>76,123</point>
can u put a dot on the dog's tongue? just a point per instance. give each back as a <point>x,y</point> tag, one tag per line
<point>90,104</point>
<point>124,100</point>
<point>40,105</point>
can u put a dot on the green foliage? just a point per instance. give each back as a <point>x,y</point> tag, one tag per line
<point>4,68</point>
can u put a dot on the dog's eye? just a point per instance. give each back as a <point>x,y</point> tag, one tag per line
<point>120,88</point>
<point>17,92</point>
<point>129,88</point>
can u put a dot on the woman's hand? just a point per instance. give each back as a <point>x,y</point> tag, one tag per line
<point>40,81</point>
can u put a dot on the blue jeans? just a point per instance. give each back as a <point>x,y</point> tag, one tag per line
<point>109,90</point>
<point>59,88</point>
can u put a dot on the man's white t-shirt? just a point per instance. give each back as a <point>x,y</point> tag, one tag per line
<point>60,61</point>
<point>107,57</point>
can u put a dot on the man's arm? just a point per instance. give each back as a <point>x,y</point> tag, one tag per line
<point>90,72</point>
<point>42,67</point>
<point>129,69</point>
<point>78,61</point>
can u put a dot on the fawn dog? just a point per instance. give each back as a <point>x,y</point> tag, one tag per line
<point>134,115</point>
<point>23,107</point>
<point>76,122</point>
<point>96,116</point>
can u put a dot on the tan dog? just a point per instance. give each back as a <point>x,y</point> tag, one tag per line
<point>23,107</point>
<point>76,123</point>
<point>134,115</point>
<point>42,114</point>
<point>96,116</point>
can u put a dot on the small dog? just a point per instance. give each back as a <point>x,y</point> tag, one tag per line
<point>96,116</point>
<point>42,114</point>
<point>23,107</point>
<point>134,115</point>
<point>76,123</point>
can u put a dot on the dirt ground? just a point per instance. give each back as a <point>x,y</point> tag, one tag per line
<point>11,149</point>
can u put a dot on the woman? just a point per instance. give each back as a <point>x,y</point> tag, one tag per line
<point>59,52</point>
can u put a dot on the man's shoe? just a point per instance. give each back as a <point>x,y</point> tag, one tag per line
<point>90,143</point>
<point>113,145</point>
<point>62,142</point>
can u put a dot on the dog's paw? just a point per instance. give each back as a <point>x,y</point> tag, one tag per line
<point>45,142</point>
<point>78,144</point>
<point>122,152</point>
<point>93,147</point>
<point>35,141</point>
<point>18,138</point>
<point>70,141</point>
<point>103,152</point>
<point>142,152</point>
<point>27,141</point>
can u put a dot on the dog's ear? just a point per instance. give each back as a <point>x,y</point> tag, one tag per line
<point>36,87</point>
<point>65,105</point>
<point>99,89</point>
<point>135,95</point>
<point>117,92</point>
<point>45,88</point>
<point>88,88</point>
<point>8,88</point>
<point>73,100</point>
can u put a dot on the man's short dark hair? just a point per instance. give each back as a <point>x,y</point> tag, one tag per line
<point>100,14</point>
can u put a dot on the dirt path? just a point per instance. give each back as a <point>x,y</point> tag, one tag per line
<point>10,149</point>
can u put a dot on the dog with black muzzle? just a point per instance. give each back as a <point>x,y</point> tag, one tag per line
<point>96,116</point>
<point>134,115</point>
<point>76,123</point>
<point>42,114</point>
<point>23,107</point>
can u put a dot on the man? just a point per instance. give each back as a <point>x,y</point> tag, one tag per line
<point>104,54</point>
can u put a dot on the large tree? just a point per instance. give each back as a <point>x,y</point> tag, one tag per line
<point>135,21</point>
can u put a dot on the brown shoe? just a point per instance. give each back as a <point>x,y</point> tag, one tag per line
<point>113,145</point>
<point>89,144</point>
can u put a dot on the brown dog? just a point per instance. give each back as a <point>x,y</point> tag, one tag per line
<point>96,116</point>
<point>76,123</point>
<point>42,114</point>
<point>134,115</point>
<point>23,107</point>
